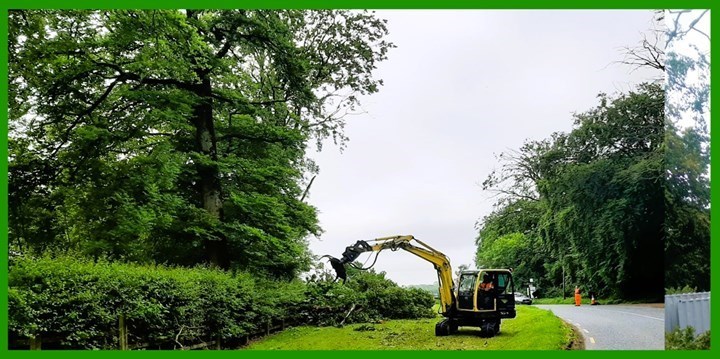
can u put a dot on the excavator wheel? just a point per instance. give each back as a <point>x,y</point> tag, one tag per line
<point>442,328</point>
<point>453,326</point>
<point>488,329</point>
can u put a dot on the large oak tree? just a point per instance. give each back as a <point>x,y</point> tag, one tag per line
<point>179,136</point>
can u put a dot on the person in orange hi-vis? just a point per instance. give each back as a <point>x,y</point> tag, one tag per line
<point>486,284</point>
<point>577,296</point>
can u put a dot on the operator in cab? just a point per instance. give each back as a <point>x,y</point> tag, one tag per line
<point>486,284</point>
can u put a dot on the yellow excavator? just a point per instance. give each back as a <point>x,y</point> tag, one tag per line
<point>482,297</point>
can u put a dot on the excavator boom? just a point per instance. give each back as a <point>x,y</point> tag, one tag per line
<point>408,243</point>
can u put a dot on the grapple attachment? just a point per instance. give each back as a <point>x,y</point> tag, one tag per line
<point>349,255</point>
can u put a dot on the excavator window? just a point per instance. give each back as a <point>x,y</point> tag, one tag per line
<point>503,281</point>
<point>466,291</point>
<point>467,283</point>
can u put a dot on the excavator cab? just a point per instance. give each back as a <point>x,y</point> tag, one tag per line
<point>486,290</point>
<point>484,297</point>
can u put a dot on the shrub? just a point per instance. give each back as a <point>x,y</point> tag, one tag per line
<point>685,339</point>
<point>369,295</point>
<point>684,290</point>
<point>76,303</point>
<point>79,302</point>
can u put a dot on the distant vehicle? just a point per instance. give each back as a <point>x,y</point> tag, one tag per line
<point>522,298</point>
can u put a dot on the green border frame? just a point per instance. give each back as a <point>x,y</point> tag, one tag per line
<point>357,4</point>
<point>369,4</point>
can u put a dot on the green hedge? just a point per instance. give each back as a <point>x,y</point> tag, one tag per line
<point>76,303</point>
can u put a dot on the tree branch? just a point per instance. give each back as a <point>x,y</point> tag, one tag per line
<point>307,189</point>
<point>256,103</point>
<point>224,50</point>
<point>701,32</point>
<point>145,80</point>
<point>88,111</point>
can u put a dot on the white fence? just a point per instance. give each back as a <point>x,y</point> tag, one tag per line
<point>688,310</point>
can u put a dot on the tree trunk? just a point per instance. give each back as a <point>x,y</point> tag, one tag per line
<point>209,176</point>
<point>122,332</point>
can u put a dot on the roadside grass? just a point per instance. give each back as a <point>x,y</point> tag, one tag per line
<point>532,329</point>
<point>584,301</point>
<point>587,300</point>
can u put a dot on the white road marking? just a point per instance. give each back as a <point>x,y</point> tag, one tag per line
<point>639,315</point>
<point>592,340</point>
<point>586,331</point>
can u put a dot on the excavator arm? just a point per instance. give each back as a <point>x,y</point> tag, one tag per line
<point>408,243</point>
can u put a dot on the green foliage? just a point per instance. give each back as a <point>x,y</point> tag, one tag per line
<point>604,204</point>
<point>79,302</point>
<point>179,137</point>
<point>430,288</point>
<point>681,290</point>
<point>366,297</point>
<point>687,210</point>
<point>685,339</point>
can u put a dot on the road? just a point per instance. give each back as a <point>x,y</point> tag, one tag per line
<point>615,326</point>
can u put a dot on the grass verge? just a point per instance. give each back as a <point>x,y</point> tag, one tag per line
<point>532,329</point>
<point>584,301</point>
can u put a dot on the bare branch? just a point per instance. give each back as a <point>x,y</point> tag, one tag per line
<point>679,33</point>
<point>178,337</point>
<point>701,32</point>
<point>307,189</point>
<point>647,54</point>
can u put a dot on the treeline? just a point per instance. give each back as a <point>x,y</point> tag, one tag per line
<point>618,206</point>
<point>71,303</point>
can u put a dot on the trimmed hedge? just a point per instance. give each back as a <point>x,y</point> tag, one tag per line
<point>76,303</point>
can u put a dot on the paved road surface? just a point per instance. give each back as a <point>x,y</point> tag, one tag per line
<point>615,326</point>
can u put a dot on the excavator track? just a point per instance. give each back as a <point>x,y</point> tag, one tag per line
<point>442,328</point>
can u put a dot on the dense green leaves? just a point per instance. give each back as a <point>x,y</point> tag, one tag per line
<point>178,136</point>
<point>73,303</point>
<point>76,304</point>
<point>367,296</point>
<point>686,339</point>
<point>610,204</point>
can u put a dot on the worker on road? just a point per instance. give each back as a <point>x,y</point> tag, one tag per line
<point>577,296</point>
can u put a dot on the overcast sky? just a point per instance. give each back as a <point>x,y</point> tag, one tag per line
<point>460,88</point>
<point>691,44</point>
